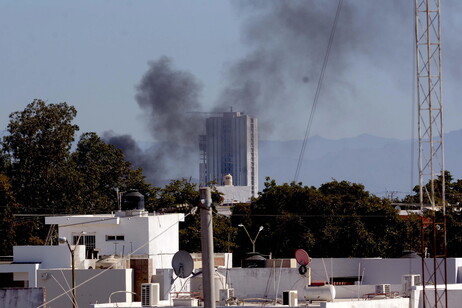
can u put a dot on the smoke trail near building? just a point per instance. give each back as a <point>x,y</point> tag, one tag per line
<point>287,41</point>
<point>276,79</point>
<point>166,95</point>
<point>133,153</point>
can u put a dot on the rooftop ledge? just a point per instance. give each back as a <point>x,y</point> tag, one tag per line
<point>107,219</point>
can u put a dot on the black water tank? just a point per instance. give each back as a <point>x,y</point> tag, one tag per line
<point>132,200</point>
<point>254,259</point>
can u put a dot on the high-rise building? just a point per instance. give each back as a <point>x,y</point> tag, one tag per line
<point>230,146</point>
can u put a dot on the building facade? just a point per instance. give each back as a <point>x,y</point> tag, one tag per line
<point>230,146</point>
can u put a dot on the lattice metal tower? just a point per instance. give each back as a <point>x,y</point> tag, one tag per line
<point>431,152</point>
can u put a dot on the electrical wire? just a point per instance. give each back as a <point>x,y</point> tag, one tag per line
<point>318,90</point>
<point>59,284</point>
<point>413,99</point>
<point>110,267</point>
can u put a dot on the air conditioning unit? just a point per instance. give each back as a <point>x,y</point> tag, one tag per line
<point>225,295</point>
<point>408,282</point>
<point>382,288</point>
<point>290,298</point>
<point>149,294</point>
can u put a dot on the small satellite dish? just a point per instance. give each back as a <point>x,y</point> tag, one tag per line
<point>182,264</point>
<point>302,257</point>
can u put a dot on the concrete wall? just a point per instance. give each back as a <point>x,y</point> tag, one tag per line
<point>223,259</point>
<point>47,256</point>
<point>24,298</point>
<point>98,286</point>
<point>26,272</point>
<point>263,282</point>
<point>454,296</point>
<point>153,235</point>
<point>164,238</point>
<point>269,283</point>
<point>383,303</point>
<point>360,291</point>
<point>458,273</point>
<point>376,270</point>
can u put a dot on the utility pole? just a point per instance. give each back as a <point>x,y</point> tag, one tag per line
<point>208,267</point>
<point>63,240</point>
<point>431,152</point>
<point>256,236</point>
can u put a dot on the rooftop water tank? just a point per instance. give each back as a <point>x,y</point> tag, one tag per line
<point>132,200</point>
<point>320,293</point>
<point>228,180</point>
<point>254,259</point>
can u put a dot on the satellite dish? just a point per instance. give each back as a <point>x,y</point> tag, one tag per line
<point>302,257</point>
<point>182,264</point>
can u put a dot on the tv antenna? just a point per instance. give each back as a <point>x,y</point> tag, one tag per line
<point>183,264</point>
<point>303,259</point>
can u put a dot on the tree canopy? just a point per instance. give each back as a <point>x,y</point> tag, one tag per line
<point>43,171</point>
<point>40,174</point>
<point>339,219</point>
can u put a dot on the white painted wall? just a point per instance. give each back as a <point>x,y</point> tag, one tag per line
<point>98,286</point>
<point>47,256</point>
<point>376,270</point>
<point>458,273</point>
<point>383,303</point>
<point>22,271</point>
<point>454,295</point>
<point>164,238</point>
<point>153,235</point>
<point>359,291</point>
<point>263,282</point>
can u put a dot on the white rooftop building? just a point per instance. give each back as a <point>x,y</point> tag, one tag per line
<point>234,194</point>
<point>108,250</point>
<point>141,233</point>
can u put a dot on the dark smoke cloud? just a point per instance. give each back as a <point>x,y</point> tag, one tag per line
<point>133,153</point>
<point>167,96</point>
<point>276,79</point>
<point>287,42</point>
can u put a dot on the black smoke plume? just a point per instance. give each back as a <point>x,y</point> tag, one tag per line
<point>133,153</point>
<point>287,41</point>
<point>167,96</point>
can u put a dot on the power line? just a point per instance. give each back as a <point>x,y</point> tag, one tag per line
<point>318,90</point>
<point>110,267</point>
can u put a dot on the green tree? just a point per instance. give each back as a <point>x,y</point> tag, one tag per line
<point>7,221</point>
<point>46,177</point>
<point>178,195</point>
<point>38,148</point>
<point>453,198</point>
<point>181,195</point>
<point>100,170</point>
<point>340,219</point>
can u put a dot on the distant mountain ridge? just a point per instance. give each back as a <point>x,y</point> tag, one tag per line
<point>383,165</point>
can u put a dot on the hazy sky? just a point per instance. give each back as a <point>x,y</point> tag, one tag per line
<point>262,56</point>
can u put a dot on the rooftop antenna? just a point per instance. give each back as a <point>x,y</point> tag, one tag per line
<point>303,259</point>
<point>431,152</point>
<point>183,264</point>
<point>119,205</point>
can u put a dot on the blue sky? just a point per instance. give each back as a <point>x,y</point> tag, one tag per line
<point>93,54</point>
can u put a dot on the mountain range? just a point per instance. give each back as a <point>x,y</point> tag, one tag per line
<point>385,166</point>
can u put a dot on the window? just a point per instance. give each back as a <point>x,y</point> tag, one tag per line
<point>88,240</point>
<point>115,237</point>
